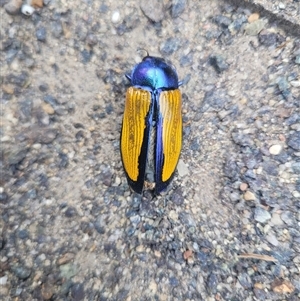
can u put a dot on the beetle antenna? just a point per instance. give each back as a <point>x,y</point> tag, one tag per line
<point>143,49</point>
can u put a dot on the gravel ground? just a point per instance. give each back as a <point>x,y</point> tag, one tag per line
<point>285,11</point>
<point>227,229</point>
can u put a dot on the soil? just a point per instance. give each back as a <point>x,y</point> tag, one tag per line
<point>228,226</point>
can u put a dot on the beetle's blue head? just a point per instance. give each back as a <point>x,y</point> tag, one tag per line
<point>154,73</point>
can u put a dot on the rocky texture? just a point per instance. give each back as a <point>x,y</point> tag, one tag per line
<point>228,226</point>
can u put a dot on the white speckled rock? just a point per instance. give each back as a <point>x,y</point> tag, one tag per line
<point>115,17</point>
<point>275,149</point>
<point>27,10</point>
<point>182,169</point>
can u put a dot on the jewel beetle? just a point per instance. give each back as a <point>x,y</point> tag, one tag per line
<point>151,135</point>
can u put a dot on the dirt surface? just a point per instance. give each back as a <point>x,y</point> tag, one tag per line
<point>227,228</point>
<point>285,12</point>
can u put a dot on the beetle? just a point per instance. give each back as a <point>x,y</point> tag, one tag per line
<point>151,135</point>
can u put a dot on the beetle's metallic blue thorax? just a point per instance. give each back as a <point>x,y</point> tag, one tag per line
<point>154,73</point>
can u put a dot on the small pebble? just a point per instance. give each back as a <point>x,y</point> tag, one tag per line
<point>41,34</point>
<point>182,168</point>
<point>77,292</point>
<point>178,7</point>
<point>22,272</point>
<point>36,3</point>
<point>51,60</point>
<point>153,287</point>
<point>212,283</point>
<point>67,257</point>
<point>295,83</point>
<point>271,238</point>
<point>9,89</point>
<point>115,17</point>
<point>36,146</point>
<point>245,280</point>
<point>5,138</point>
<point>47,291</point>
<point>27,10</point>
<point>43,87</point>
<point>169,46</point>
<point>275,149</point>
<point>140,249</point>
<point>243,187</point>
<point>154,10</point>
<point>276,220</point>
<point>117,181</point>
<point>47,136</point>
<point>219,63</point>
<point>282,286</point>
<point>173,215</point>
<point>261,215</point>
<point>288,218</point>
<point>249,196</point>
<point>71,212</point>
<point>3,280</point>
<point>56,29</point>
<point>13,7</point>
<point>254,28</point>
<point>294,141</point>
<point>187,254</point>
<point>268,38</point>
<point>253,17</point>
<point>296,168</point>
<point>3,197</point>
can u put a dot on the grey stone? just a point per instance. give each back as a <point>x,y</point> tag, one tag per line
<point>214,100</point>
<point>70,212</point>
<point>3,198</point>
<point>270,167</point>
<point>17,155</point>
<point>268,38</point>
<point>178,7</point>
<point>41,34</point>
<point>22,272</point>
<point>51,100</point>
<point>56,29</point>
<point>288,218</point>
<point>77,292</point>
<point>294,141</point>
<point>245,280</point>
<point>170,46</point>
<point>187,219</point>
<point>223,21</point>
<point>261,215</point>
<point>212,283</point>
<point>296,167</point>
<point>186,60</point>
<point>13,7</point>
<point>219,63</point>
<point>47,136</point>
<point>25,109</point>
<point>153,9</point>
